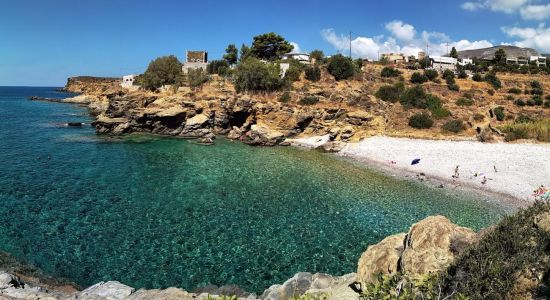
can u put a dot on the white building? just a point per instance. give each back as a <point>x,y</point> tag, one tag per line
<point>538,60</point>
<point>195,60</point>
<point>301,57</point>
<point>466,61</point>
<point>128,82</point>
<point>441,63</point>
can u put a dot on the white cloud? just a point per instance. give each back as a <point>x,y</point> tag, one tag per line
<point>406,43</point>
<point>535,12</point>
<point>404,32</point>
<point>297,48</point>
<point>507,6</point>
<point>538,38</point>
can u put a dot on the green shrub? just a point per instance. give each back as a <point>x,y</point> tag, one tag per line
<point>538,100</point>
<point>313,73</point>
<point>414,97</point>
<point>309,100</point>
<point>440,113</point>
<point>421,121</point>
<point>489,269</point>
<point>340,67</point>
<point>390,72</point>
<point>165,70</point>
<point>510,98</point>
<point>389,93</point>
<point>285,97</point>
<point>519,102</point>
<point>547,97</point>
<point>197,77</point>
<point>491,92</point>
<point>493,80</point>
<point>477,77</point>
<point>403,287</point>
<point>418,78</point>
<point>547,104</point>
<point>294,71</point>
<point>536,85</point>
<point>468,95</point>
<point>255,76</point>
<point>464,102</point>
<point>220,67</point>
<point>462,74</point>
<point>514,91</point>
<point>431,74</point>
<point>523,119</point>
<point>478,117</point>
<point>530,102</point>
<point>448,74</point>
<point>455,126</point>
<point>453,87</point>
<point>499,113</point>
<point>432,102</point>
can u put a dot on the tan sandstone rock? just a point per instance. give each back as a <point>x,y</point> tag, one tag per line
<point>429,245</point>
<point>382,258</point>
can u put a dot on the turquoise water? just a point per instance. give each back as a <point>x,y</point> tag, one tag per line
<point>157,212</point>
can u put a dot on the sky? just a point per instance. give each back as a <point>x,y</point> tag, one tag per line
<point>43,42</point>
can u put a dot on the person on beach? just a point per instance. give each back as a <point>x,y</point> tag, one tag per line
<point>484,181</point>
<point>456,175</point>
<point>495,168</point>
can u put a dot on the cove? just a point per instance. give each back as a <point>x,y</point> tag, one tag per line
<point>156,212</point>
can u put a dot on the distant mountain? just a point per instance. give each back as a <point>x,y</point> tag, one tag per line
<point>489,53</point>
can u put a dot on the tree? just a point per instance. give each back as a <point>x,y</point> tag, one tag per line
<point>231,54</point>
<point>313,73</point>
<point>197,77</point>
<point>500,57</point>
<point>270,46</point>
<point>454,53</point>
<point>245,52</point>
<point>340,67</point>
<point>256,76</point>
<point>318,55</point>
<point>220,67</point>
<point>165,70</point>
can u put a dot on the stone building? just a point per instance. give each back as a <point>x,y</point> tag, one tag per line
<point>195,60</point>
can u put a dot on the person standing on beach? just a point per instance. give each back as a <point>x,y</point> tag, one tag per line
<point>456,175</point>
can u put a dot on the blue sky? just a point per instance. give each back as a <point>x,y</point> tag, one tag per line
<point>42,42</point>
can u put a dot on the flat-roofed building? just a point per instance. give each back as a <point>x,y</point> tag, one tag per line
<point>195,60</point>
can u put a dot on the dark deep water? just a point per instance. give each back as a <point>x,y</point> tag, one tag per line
<point>157,212</point>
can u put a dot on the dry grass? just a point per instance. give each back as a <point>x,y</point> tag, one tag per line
<point>539,130</point>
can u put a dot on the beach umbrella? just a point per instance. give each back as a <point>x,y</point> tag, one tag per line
<point>415,161</point>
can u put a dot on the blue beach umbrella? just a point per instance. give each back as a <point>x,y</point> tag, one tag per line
<point>415,161</point>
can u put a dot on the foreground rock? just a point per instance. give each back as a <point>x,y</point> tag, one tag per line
<point>430,246</point>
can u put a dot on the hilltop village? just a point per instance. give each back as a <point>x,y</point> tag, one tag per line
<point>265,94</point>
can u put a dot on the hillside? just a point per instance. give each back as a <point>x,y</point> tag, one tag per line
<point>489,53</point>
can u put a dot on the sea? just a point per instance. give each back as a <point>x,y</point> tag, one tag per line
<point>156,212</point>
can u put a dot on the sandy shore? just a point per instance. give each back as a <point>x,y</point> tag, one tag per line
<point>510,169</point>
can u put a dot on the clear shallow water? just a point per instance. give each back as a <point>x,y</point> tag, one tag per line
<point>156,212</point>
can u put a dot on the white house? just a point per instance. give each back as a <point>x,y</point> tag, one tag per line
<point>128,81</point>
<point>538,60</point>
<point>466,61</point>
<point>195,60</point>
<point>301,57</point>
<point>441,63</point>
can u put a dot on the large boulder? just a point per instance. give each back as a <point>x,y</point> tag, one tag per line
<point>431,245</point>
<point>111,290</point>
<point>318,285</point>
<point>263,136</point>
<point>382,258</point>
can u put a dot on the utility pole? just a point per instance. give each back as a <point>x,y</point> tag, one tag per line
<point>448,53</point>
<point>350,44</point>
<point>427,54</point>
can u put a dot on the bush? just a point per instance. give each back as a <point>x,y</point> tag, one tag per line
<point>537,100</point>
<point>390,72</point>
<point>313,73</point>
<point>448,74</point>
<point>431,74</point>
<point>464,102</point>
<point>389,93</point>
<point>421,121</point>
<point>165,70</point>
<point>197,77</point>
<point>294,71</point>
<point>478,117</point>
<point>477,77</point>
<point>491,92</point>
<point>530,102</point>
<point>455,126</point>
<point>440,113</point>
<point>453,87</point>
<point>499,113</point>
<point>340,67</point>
<point>536,85</point>
<point>309,100</point>
<point>255,76</point>
<point>285,97</point>
<point>514,91</point>
<point>523,119</point>
<point>519,102</point>
<point>418,78</point>
<point>220,67</point>
<point>493,80</point>
<point>468,95</point>
<point>509,97</point>
<point>547,104</point>
<point>462,74</point>
<point>414,97</point>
